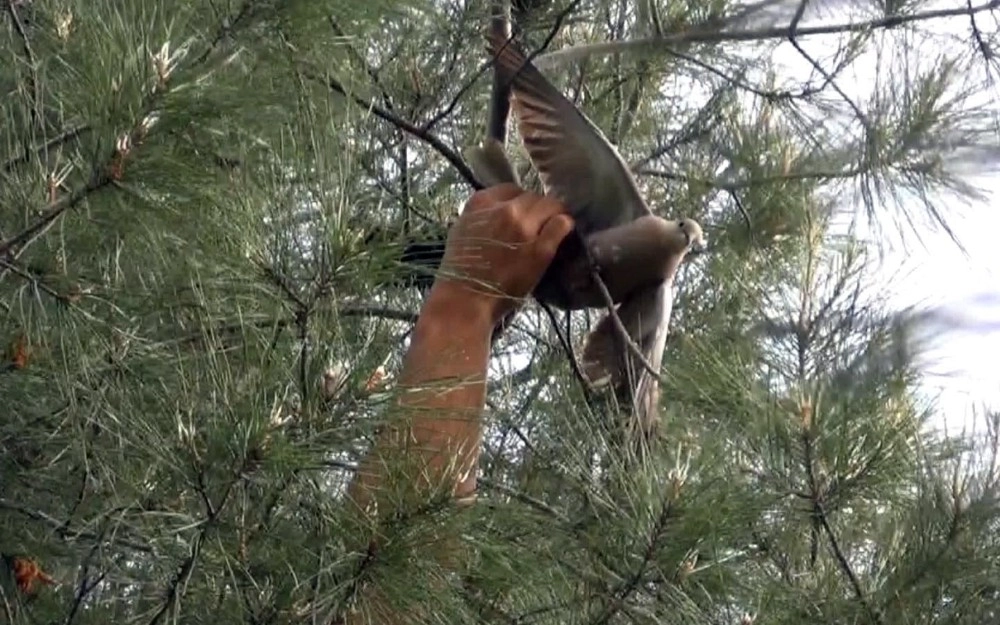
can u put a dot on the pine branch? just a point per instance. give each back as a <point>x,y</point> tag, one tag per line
<point>629,586</point>
<point>63,137</point>
<point>793,38</point>
<point>100,178</point>
<point>36,282</point>
<point>588,388</point>
<point>63,530</point>
<point>710,33</point>
<point>334,85</point>
<point>375,311</point>
<point>531,502</point>
<point>31,61</point>
<point>212,510</point>
<point>984,48</point>
<point>845,566</point>
<point>86,585</point>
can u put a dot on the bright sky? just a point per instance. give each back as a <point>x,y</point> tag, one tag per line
<point>962,362</point>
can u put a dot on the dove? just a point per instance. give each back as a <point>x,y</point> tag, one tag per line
<point>635,252</point>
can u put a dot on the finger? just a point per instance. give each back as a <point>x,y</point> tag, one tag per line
<point>551,235</point>
<point>535,210</point>
<point>492,196</point>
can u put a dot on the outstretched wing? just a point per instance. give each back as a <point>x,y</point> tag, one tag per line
<point>646,317</point>
<point>575,161</point>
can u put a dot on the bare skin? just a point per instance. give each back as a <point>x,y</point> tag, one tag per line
<point>495,255</point>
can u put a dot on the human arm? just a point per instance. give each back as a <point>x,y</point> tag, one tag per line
<point>496,253</point>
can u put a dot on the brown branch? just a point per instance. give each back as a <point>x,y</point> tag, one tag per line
<point>180,580</point>
<point>845,566</point>
<point>793,38</point>
<point>528,500</point>
<point>35,281</point>
<point>629,586</point>
<point>376,311</point>
<point>405,126</point>
<point>360,59</point>
<point>100,179</point>
<point>225,28</point>
<point>446,111</point>
<point>984,47</point>
<point>63,137</point>
<point>752,182</point>
<point>820,518</point>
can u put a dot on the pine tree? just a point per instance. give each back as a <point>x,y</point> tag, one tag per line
<point>204,208</point>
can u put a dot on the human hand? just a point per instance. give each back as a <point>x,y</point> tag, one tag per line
<point>500,247</point>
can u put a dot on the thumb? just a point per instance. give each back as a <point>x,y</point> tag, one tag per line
<point>552,233</point>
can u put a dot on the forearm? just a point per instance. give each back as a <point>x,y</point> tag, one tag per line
<point>436,429</point>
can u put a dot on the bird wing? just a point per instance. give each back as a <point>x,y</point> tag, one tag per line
<point>575,161</point>
<point>646,318</point>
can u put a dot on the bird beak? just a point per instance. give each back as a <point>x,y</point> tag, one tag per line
<point>698,245</point>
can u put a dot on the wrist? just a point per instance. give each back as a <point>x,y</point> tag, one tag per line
<point>459,307</point>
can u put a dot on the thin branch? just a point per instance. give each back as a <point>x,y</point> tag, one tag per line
<point>984,47</point>
<point>846,568</point>
<point>225,28</point>
<point>711,34</point>
<point>588,389</point>
<point>180,579</point>
<point>32,63</point>
<point>613,312</point>
<point>372,74</point>
<point>35,282</point>
<point>67,533</point>
<point>404,125</point>
<point>184,572</point>
<point>376,311</point>
<point>85,587</point>
<point>446,111</point>
<point>630,585</point>
<point>63,137</point>
<point>793,38</point>
<point>100,179</point>
<point>530,501</point>
<point>753,182</point>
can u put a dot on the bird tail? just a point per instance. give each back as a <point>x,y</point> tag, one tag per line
<point>608,359</point>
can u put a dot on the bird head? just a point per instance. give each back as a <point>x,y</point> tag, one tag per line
<point>689,235</point>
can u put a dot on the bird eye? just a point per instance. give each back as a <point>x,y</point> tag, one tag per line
<point>683,224</point>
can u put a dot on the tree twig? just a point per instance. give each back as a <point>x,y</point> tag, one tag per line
<point>32,62</point>
<point>845,566</point>
<point>710,33</point>
<point>402,124</point>
<point>613,312</point>
<point>63,137</point>
<point>67,533</point>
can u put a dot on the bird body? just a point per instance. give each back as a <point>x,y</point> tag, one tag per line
<point>636,253</point>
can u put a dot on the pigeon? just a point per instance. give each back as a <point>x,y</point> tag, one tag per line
<point>635,252</point>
